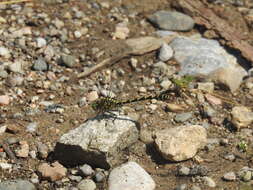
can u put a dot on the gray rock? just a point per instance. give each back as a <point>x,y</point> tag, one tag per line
<point>86,170</point>
<point>207,58</point>
<point>13,81</point>
<point>165,52</point>
<point>182,117</point>
<point>68,60</point>
<point>130,176</point>
<point>3,74</point>
<point>99,176</point>
<point>40,65</point>
<point>198,170</point>
<point>42,150</point>
<point>16,185</point>
<point>180,143</point>
<point>41,42</point>
<point>174,21</point>
<point>86,184</point>
<point>98,142</point>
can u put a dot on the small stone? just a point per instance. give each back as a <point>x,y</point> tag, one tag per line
<point>181,187</point>
<point>92,96</point>
<point>86,170</point>
<point>213,100</point>
<point>247,176</point>
<point>206,86</point>
<point>31,127</point>
<point>12,140</point>
<point>77,34</point>
<point>230,157</point>
<point>42,150</point>
<point>3,129</point>
<point>142,90</point>
<point>86,184</point>
<point>209,181</point>
<point>146,136</point>
<point>3,74</point>
<point>230,176</point>
<point>75,178</point>
<point>54,172</point>
<point>133,62</point>
<point>68,61</point>
<point>40,65</point>
<point>171,20</point>
<point>4,100</point>
<point>4,52</point>
<point>24,150</point>
<point>99,176</point>
<point>165,84</point>
<point>198,170</point>
<point>41,42</point>
<point>14,81</point>
<point>5,166</point>
<point>165,52</point>
<point>184,171</point>
<point>121,31</point>
<point>241,116</point>
<point>15,67</point>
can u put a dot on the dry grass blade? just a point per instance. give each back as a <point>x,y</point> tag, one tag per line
<point>13,2</point>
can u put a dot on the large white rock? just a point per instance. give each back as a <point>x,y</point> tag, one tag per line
<point>98,142</point>
<point>130,176</point>
<point>180,143</point>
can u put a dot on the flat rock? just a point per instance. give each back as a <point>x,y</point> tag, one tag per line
<point>16,185</point>
<point>130,176</point>
<point>206,58</point>
<point>97,142</point>
<point>54,172</point>
<point>171,20</point>
<point>180,143</point>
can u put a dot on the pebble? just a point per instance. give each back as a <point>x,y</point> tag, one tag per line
<point>14,81</point>
<point>5,166</point>
<point>75,178</point>
<point>4,100</point>
<point>230,157</point>
<point>3,74</point>
<point>40,65</point>
<point>171,20</point>
<point>92,96</point>
<point>247,176</point>
<point>230,176</point>
<point>165,52</point>
<point>142,90</point>
<point>15,67</point>
<point>121,31</point>
<point>209,181</point>
<point>165,84</point>
<point>198,170</point>
<point>23,152</point>
<point>86,184</point>
<point>86,170</point>
<point>206,86</point>
<point>4,52</point>
<point>54,172</point>
<point>3,129</point>
<point>41,42</point>
<point>68,61</point>
<point>12,140</point>
<point>181,187</point>
<point>77,34</point>
<point>99,176</point>
<point>31,127</point>
<point>42,150</point>
<point>183,171</point>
